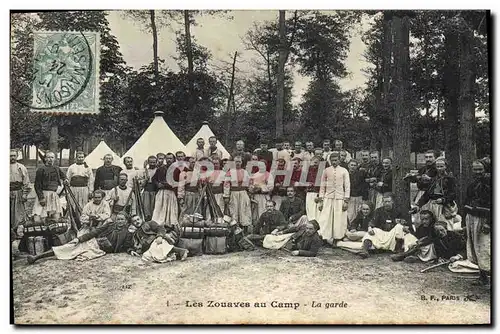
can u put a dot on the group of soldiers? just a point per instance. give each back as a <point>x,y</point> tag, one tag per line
<point>347,199</point>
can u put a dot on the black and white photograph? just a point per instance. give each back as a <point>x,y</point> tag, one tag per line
<point>250,167</point>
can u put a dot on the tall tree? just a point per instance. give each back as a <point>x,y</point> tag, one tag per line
<point>466,105</point>
<point>386,105</point>
<point>451,75</point>
<point>187,36</point>
<point>155,41</point>
<point>402,112</point>
<point>281,75</point>
<point>151,20</point>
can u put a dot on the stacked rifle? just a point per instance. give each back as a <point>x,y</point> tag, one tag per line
<point>136,190</point>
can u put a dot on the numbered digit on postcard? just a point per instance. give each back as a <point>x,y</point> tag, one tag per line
<point>66,72</point>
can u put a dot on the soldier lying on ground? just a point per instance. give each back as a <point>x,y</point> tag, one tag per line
<point>152,242</point>
<point>112,237</point>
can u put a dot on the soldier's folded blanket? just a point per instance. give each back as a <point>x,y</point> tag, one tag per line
<point>159,252</point>
<point>81,252</point>
<point>276,241</point>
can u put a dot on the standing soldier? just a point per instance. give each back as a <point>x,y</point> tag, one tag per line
<point>81,180</point>
<point>212,149</point>
<point>372,175</point>
<point>236,196</point>
<point>339,146</point>
<point>334,196</point>
<point>149,193</point>
<point>478,220</point>
<point>120,198</point>
<point>106,176</point>
<point>131,171</point>
<point>19,190</point>
<point>424,176</point>
<point>48,178</point>
<point>166,211</point>
<point>359,190</point>
<point>199,152</point>
<point>189,190</point>
<point>313,189</point>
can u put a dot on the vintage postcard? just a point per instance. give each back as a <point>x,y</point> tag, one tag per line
<point>250,167</point>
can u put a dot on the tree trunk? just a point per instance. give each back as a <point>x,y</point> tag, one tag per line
<point>384,107</point>
<point>72,150</point>
<point>60,157</point>
<point>387,47</point>
<point>230,100</point>
<point>189,50</point>
<point>280,94</point>
<point>385,145</point>
<point>402,113</point>
<point>467,112</point>
<point>155,42</point>
<point>54,138</point>
<point>451,113</point>
<point>86,143</point>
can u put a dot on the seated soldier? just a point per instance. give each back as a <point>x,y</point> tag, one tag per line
<point>359,226</point>
<point>270,220</point>
<point>147,233</point>
<point>418,245</point>
<point>292,207</point>
<point>96,212</point>
<point>111,237</point>
<point>306,241</point>
<point>446,245</point>
<point>452,218</point>
<point>385,230</point>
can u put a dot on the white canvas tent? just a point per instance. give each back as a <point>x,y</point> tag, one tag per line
<point>94,159</point>
<point>205,132</point>
<point>157,138</point>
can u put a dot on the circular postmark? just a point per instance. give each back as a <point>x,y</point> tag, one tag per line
<point>62,68</point>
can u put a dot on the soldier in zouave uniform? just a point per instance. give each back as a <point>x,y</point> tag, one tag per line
<point>359,190</point>
<point>95,212</point>
<point>106,176</point>
<point>478,220</point>
<point>189,190</point>
<point>120,198</point>
<point>216,182</point>
<point>372,175</point>
<point>312,191</point>
<point>19,190</point>
<point>236,195</point>
<point>48,178</point>
<point>441,193</point>
<point>260,187</point>
<point>279,188</point>
<point>81,180</point>
<point>166,211</point>
<point>384,181</point>
<point>131,171</point>
<point>212,149</point>
<point>149,193</point>
<point>424,176</point>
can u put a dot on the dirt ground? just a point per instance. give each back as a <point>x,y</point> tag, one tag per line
<point>121,289</point>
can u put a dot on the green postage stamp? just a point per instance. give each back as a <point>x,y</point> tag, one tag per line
<point>66,72</point>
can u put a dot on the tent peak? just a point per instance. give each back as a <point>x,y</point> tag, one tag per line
<point>158,113</point>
